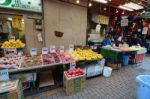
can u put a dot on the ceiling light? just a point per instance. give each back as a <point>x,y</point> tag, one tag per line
<point>101,1</point>
<point>10,19</point>
<point>125,8</point>
<point>78,1</point>
<point>90,4</point>
<point>134,6</point>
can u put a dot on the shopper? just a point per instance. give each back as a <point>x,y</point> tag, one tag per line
<point>136,41</point>
<point>107,41</point>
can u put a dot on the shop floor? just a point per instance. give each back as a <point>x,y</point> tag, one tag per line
<point>121,85</point>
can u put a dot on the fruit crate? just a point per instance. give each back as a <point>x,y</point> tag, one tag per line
<point>73,85</point>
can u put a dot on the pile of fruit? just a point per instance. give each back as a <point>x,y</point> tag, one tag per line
<point>64,57</point>
<point>86,54</point>
<point>74,72</point>
<point>12,62</point>
<point>50,58</point>
<point>13,44</point>
<point>32,61</point>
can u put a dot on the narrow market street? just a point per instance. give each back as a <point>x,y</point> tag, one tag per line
<point>121,85</point>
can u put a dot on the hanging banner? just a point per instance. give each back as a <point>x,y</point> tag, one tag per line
<point>28,5</point>
<point>17,22</point>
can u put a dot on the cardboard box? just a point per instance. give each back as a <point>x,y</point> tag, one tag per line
<point>114,65</point>
<point>46,79</point>
<point>73,85</point>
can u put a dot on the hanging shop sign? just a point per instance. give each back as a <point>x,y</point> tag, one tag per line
<point>28,5</point>
<point>102,19</point>
<point>124,22</point>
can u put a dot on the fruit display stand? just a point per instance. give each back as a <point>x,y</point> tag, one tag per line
<point>73,85</point>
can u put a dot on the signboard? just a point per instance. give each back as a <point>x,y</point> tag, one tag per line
<point>4,75</point>
<point>29,5</point>
<point>124,22</point>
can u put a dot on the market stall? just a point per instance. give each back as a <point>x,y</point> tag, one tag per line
<point>135,54</point>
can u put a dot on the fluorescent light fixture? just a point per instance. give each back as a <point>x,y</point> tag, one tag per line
<point>10,19</point>
<point>134,6</point>
<point>101,1</point>
<point>125,8</point>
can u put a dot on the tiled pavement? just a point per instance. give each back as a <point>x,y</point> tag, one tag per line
<point>121,85</point>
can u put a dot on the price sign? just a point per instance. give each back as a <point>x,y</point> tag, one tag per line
<point>10,51</point>
<point>44,50</point>
<point>53,49</point>
<point>4,75</point>
<point>71,47</point>
<point>72,64</point>
<point>33,51</point>
<point>62,48</point>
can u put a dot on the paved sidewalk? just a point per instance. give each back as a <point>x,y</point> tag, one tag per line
<point>121,85</point>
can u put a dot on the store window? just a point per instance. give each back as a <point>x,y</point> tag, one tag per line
<point>11,25</point>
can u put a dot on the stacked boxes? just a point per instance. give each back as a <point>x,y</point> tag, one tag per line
<point>73,85</point>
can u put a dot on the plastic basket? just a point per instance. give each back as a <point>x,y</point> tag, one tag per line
<point>143,91</point>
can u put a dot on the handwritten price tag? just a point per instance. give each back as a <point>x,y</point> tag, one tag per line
<point>71,47</point>
<point>62,48</point>
<point>53,49</point>
<point>33,51</point>
<point>72,65</point>
<point>44,50</point>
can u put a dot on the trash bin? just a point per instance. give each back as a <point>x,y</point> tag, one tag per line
<point>125,60</point>
<point>143,91</point>
<point>107,71</point>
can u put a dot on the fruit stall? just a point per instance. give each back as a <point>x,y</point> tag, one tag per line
<point>48,69</point>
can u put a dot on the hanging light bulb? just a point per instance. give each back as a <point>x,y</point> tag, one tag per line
<point>117,11</point>
<point>123,12</point>
<point>90,4</point>
<point>78,1</point>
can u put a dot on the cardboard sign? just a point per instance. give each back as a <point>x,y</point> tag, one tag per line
<point>62,48</point>
<point>4,75</point>
<point>72,65</point>
<point>10,51</point>
<point>71,47</point>
<point>33,51</point>
<point>44,50</point>
<point>53,49</point>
